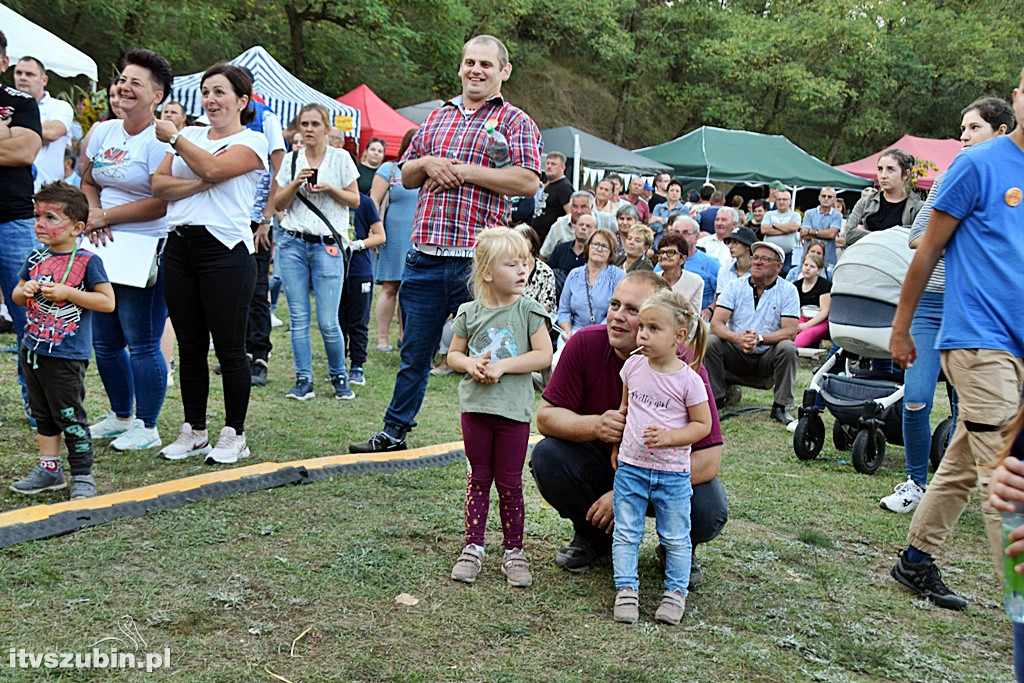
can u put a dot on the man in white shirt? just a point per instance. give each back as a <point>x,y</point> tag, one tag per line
<point>780,227</point>
<point>56,115</point>
<point>714,245</point>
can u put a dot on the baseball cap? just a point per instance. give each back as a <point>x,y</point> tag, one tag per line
<point>741,234</point>
<point>774,247</point>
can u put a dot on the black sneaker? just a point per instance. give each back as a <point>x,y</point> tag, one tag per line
<point>259,373</point>
<point>579,554</point>
<point>381,442</point>
<point>924,579</point>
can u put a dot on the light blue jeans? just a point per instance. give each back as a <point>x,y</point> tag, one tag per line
<point>669,493</point>
<point>307,267</point>
<point>919,384</point>
<point>128,357</point>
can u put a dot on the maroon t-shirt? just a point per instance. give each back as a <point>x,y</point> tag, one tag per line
<point>586,381</point>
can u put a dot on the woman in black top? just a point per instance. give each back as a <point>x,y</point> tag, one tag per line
<point>815,302</point>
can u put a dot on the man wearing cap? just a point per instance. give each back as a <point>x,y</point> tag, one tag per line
<point>823,223</point>
<point>753,329</point>
<point>739,242</point>
<point>773,188</point>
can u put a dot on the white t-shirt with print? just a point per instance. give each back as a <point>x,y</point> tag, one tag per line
<point>224,208</point>
<point>123,166</point>
<point>336,169</point>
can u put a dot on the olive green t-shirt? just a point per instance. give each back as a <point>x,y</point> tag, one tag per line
<point>505,332</point>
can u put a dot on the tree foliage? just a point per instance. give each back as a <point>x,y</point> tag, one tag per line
<point>840,78</point>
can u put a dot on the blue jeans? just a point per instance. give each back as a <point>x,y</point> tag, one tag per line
<point>919,384</point>
<point>17,240</point>
<point>433,287</point>
<point>669,493</point>
<point>128,357</point>
<point>300,265</point>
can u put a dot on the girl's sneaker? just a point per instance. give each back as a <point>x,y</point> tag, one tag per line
<point>673,604</point>
<point>904,498</point>
<point>516,569</point>
<point>187,444</point>
<point>230,448</point>
<point>627,605</point>
<point>110,427</point>
<point>137,438</point>
<point>468,565</point>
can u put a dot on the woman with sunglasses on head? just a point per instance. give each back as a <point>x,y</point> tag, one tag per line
<point>892,205</point>
<point>209,179</point>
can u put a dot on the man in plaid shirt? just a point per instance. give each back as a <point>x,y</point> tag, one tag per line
<point>461,193</point>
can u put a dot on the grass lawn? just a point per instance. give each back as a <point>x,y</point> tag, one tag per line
<point>796,588</point>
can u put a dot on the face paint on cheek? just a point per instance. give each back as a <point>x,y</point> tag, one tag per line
<point>53,228</point>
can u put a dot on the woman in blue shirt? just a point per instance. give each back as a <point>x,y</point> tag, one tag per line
<point>588,288</point>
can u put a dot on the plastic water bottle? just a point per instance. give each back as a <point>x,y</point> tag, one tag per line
<point>497,146</point>
<point>1013,583</point>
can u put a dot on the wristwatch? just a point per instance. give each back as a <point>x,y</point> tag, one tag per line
<point>760,339</point>
<point>174,138</point>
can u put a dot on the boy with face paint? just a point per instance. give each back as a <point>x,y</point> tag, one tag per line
<point>59,284</point>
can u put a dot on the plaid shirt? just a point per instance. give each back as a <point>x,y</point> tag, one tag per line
<point>454,217</point>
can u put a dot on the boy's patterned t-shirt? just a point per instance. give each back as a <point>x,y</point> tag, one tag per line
<point>60,329</point>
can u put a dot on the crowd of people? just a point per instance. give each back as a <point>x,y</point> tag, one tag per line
<point>639,308</point>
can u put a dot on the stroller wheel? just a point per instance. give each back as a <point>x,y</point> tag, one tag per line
<point>940,440</point>
<point>842,436</point>
<point>809,437</point>
<point>867,452</point>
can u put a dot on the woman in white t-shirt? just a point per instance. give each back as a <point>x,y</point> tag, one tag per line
<point>309,257</point>
<point>209,271</point>
<point>122,156</point>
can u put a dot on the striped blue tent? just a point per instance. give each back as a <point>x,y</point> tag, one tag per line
<point>283,93</point>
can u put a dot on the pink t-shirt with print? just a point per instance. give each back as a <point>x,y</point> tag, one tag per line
<point>662,400</point>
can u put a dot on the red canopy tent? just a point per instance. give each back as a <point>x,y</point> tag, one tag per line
<point>939,152</point>
<point>377,119</point>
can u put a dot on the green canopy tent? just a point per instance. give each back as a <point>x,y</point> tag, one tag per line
<point>597,153</point>
<point>739,156</point>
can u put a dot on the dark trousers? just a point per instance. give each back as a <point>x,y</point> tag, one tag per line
<point>571,477</point>
<point>354,316</point>
<point>257,335</point>
<point>56,397</point>
<point>208,289</point>
<point>496,450</point>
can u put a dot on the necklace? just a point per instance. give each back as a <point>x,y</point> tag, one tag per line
<point>127,135</point>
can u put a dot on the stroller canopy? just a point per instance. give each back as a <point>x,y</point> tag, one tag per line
<point>875,266</point>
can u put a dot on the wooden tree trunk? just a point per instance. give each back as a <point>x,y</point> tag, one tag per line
<point>296,22</point>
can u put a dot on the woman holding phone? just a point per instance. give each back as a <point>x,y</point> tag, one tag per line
<point>317,186</point>
<point>209,271</point>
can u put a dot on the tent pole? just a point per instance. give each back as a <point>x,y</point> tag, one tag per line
<point>577,152</point>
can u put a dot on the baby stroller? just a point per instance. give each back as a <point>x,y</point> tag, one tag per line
<point>864,397</point>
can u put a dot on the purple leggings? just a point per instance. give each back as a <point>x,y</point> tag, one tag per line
<point>496,450</point>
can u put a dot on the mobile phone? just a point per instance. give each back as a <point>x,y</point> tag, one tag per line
<point>312,179</point>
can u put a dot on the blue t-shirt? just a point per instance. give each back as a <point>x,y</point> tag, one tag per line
<point>366,215</point>
<point>60,329</point>
<point>985,256</point>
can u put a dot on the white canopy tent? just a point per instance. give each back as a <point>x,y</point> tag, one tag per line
<point>280,90</point>
<point>26,39</point>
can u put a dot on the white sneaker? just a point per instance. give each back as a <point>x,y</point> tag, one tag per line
<point>275,321</point>
<point>230,448</point>
<point>111,426</point>
<point>904,499</point>
<point>792,426</point>
<point>137,438</point>
<point>188,443</point>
